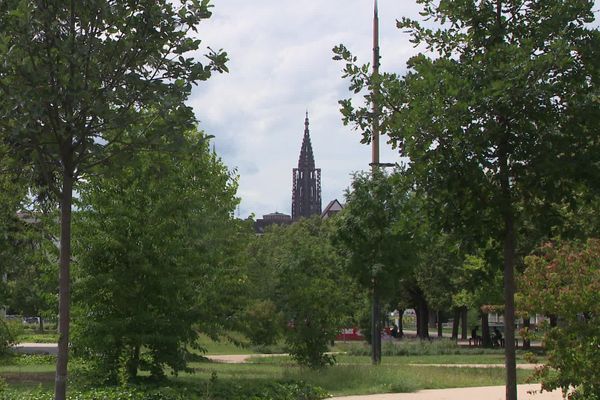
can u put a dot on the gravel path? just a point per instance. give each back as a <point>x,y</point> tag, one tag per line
<point>525,392</point>
<point>520,366</point>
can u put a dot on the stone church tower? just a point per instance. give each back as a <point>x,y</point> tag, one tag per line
<point>306,187</point>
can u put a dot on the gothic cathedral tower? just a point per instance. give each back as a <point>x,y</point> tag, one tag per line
<point>306,187</point>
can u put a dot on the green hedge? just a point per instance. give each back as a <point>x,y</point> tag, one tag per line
<point>218,391</point>
<point>417,347</point>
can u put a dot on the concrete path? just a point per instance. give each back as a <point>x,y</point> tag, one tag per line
<point>520,366</point>
<point>36,348</point>
<point>240,358</point>
<point>525,392</point>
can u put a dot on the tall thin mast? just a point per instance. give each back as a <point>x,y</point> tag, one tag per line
<point>375,109</point>
<point>375,165</point>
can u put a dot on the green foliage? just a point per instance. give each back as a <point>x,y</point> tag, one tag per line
<point>9,331</point>
<point>264,391</point>
<point>214,390</point>
<point>157,244</point>
<point>378,230</point>
<point>301,288</point>
<point>31,283</point>
<point>263,322</point>
<point>25,360</point>
<point>564,280</point>
<point>105,62</point>
<point>408,347</point>
<point>84,81</point>
<point>498,119</point>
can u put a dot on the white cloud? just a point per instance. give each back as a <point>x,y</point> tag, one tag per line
<point>280,66</point>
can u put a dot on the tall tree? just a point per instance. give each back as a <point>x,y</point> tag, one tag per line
<point>301,280</point>
<point>503,112</point>
<point>74,77</point>
<point>162,230</point>
<point>378,232</point>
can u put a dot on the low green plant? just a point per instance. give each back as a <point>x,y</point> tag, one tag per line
<point>416,347</point>
<point>100,394</point>
<point>562,279</point>
<point>271,349</point>
<point>34,359</point>
<point>9,331</point>
<point>217,391</point>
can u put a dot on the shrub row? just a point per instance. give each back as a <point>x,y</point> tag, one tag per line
<point>217,391</point>
<point>416,347</point>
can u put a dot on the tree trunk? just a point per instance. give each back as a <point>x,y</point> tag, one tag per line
<point>422,317</point>
<point>509,311</point>
<point>526,325</point>
<point>400,324</point>
<point>486,338</point>
<point>375,328</point>
<point>133,363</point>
<point>60,383</point>
<point>440,330</point>
<point>418,319</point>
<point>455,323</point>
<point>41,325</point>
<point>509,276</point>
<point>463,316</point>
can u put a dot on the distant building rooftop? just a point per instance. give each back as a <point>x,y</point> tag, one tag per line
<point>275,218</point>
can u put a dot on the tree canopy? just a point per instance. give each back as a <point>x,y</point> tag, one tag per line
<point>75,77</point>
<point>156,262</point>
<point>499,115</point>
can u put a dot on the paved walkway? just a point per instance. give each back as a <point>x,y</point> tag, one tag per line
<point>36,348</point>
<point>519,366</point>
<point>525,392</point>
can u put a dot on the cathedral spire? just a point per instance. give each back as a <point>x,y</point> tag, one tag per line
<point>306,190</point>
<point>307,159</point>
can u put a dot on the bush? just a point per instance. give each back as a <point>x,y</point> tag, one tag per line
<point>9,331</point>
<point>214,390</point>
<point>563,280</point>
<point>263,391</point>
<point>99,394</point>
<point>417,347</point>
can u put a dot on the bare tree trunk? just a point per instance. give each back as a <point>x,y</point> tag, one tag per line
<point>422,318</point>
<point>509,276</point>
<point>400,324</point>
<point>486,338</point>
<point>60,385</point>
<point>464,329</point>
<point>509,311</point>
<point>455,323</point>
<point>41,325</point>
<point>375,328</point>
<point>440,330</point>
<point>133,363</point>
<point>418,319</point>
<point>526,325</point>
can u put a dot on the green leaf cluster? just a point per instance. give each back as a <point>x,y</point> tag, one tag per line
<point>563,279</point>
<point>156,258</point>
<point>300,289</point>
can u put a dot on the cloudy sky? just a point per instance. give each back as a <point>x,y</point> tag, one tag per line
<point>281,65</point>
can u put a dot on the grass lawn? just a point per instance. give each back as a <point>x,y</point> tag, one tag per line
<point>352,375</point>
<point>355,376</point>
<point>36,337</point>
